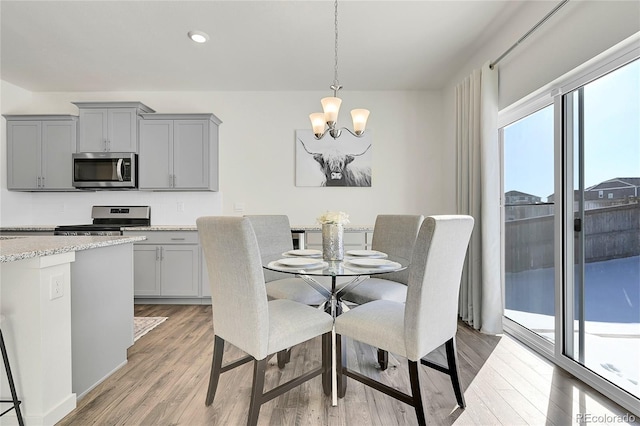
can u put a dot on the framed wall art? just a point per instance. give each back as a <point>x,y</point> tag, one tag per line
<point>345,161</point>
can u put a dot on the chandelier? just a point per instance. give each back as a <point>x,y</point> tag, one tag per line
<point>323,122</point>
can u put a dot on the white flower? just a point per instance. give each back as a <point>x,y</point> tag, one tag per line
<point>340,218</point>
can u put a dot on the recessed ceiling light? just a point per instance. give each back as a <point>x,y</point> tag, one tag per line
<point>198,36</point>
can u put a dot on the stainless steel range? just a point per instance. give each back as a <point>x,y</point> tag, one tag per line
<point>109,220</point>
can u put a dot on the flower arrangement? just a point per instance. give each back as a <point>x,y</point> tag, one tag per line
<point>337,218</point>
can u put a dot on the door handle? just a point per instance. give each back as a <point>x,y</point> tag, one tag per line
<point>119,169</point>
<point>42,181</point>
<point>157,253</point>
<point>577,224</point>
<point>38,182</point>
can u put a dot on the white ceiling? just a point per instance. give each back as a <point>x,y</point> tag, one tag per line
<point>255,45</point>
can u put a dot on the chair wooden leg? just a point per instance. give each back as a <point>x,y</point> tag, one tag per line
<point>415,392</point>
<point>383,359</point>
<point>326,361</point>
<point>341,355</point>
<point>216,366</point>
<point>259,368</point>
<point>452,360</point>
<point>283,358</point>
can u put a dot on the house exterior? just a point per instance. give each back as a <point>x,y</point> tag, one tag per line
<point>614,190</point>
<point>520,205</point>
<point>517,197</point>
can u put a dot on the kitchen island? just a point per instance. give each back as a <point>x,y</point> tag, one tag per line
<point>68,307</point>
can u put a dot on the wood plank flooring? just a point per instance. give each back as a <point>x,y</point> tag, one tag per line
<point>165,383</point>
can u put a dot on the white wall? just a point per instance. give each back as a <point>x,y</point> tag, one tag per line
<point>413,132</point>
<point>576,33</point>
<point>257,153</point>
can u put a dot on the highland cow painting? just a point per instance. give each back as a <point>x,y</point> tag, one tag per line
<point>345,161</point>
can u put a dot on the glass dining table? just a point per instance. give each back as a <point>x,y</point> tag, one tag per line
<point>352,270</point>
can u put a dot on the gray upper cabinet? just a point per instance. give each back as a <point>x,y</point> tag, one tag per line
<point>109,126</point>
<point>39,149</point>
<point>178,152</point>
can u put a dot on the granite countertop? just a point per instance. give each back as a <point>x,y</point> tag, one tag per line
<point>352,228</point>
<point>28,228</point>
<point>19,248</point>
<point>44,228</point>
<point>161,228</point>
<point>193,228</point>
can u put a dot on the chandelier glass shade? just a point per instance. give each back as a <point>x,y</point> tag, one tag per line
<point>323,122</point>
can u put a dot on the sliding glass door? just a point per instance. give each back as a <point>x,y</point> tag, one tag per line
<point>571,223</point>
<point>528,177</point>
<point>602,324</point>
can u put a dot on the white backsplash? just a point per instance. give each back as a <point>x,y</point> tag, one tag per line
<point>72,208</point>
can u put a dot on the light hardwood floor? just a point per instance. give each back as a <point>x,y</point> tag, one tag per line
<point>165,383</point>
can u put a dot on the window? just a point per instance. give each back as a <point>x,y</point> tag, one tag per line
<point>572,262</point>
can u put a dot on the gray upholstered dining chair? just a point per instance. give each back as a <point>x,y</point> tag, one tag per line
<point>242,314</point>
<point>427,320</point>
<point>396,236</point>
<point>273,233</point>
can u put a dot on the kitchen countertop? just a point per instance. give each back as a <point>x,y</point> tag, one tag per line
<point>193,228</point>
<point>28,228</point>
<point>45,228</point>
<point>19,248</point>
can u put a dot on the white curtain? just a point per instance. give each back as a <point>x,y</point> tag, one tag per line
<point>478,195</point>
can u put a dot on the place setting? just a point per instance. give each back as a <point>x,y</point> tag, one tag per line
<point>368,254</point>
<point>376,262</point>
<point>303,253</point>
<point>299,263</point>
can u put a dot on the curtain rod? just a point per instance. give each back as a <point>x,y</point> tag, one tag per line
<point>535,27</point>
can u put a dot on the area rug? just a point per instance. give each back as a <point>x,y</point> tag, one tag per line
<point>143,325</point>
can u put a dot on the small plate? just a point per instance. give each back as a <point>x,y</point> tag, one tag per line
<point>373,263</point>
<point>305,253</point>
<point>367,253</point>
<point>300,262</point>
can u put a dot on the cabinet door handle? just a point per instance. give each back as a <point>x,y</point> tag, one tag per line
<point>177,239</point>
<point>161,254</point>
<point>157,253</point>
<point>42,181</point>
<point>38,182</point>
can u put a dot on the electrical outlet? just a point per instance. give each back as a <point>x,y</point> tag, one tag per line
<point>238,207</point>
<point>56,284</point>
<point>180,206</point>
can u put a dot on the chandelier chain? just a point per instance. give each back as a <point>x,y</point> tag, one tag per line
<point>335,69</point>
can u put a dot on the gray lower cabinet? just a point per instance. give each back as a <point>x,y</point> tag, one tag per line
<point>39,149</point>
<point>167,265</point>
<point>353,240</point>
<point>109,126</point>
<point>178,152</point>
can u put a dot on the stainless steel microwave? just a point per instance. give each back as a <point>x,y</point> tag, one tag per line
<point>117,170</point>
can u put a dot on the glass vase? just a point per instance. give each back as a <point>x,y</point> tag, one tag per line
<point>332,241</point>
